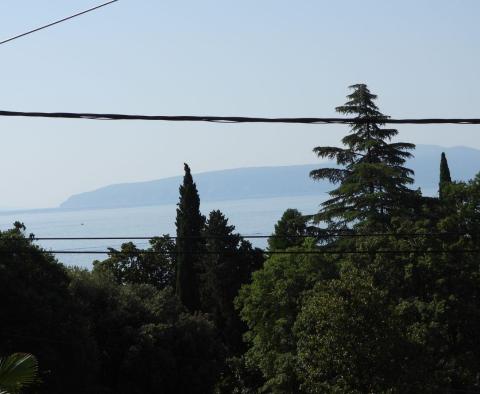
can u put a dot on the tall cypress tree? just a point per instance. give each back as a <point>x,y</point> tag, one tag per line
<point>371,176</point>
<point>190,245</point>
<point>445,177</point>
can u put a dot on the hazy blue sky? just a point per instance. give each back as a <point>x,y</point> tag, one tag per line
<point>222,57</point>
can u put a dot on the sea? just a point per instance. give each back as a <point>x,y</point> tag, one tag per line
<point>249,216</point>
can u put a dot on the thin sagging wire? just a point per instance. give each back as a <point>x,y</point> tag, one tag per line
<point>273,252</point>
<point>56,22</point>
<point>323,234</point>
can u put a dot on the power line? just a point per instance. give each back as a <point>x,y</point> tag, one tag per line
<point>325,234</point>
<point>57,22</point>
<point>273,252</point>
<point>238,119</point>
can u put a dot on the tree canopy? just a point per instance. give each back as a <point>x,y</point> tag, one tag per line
<point>290,230</point>
<point>154,265</point>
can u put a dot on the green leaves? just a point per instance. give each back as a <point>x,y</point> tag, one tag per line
<point>155,265</point>
<point>270,305</point>
<point>290,231</point>
<point>17,371</point>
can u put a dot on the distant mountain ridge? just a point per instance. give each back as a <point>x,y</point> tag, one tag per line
<point>266,182</point>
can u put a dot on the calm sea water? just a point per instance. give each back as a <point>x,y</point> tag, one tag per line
<point>250,217</point>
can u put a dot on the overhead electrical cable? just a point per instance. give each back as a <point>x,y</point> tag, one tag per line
<point>56,22</point>
<point>323,234</point>
<point>272,252</point>
<point>112,252</point>
<point>239,119</point>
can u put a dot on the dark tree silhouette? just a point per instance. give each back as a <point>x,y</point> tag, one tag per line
<point>445,177</point>
<point>189,242</point>
<point>228,265</point>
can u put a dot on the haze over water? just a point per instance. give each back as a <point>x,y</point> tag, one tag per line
<point>249,216</point>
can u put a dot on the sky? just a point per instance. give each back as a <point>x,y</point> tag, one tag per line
<point>218,57</point>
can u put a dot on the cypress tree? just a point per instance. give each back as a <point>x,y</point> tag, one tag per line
<point>371,176</point>
<point>190,245</point>
<point>445,177</point>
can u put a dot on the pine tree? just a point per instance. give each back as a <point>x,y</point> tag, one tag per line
<point>371,176</point>
<point>190,245</point>
<point>445,177</point>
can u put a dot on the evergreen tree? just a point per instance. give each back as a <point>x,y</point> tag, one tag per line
<point>227,265</point>
<point>289,230</point>
<point>445,177</point>
<point>189,242</point>
<point>371,176</point>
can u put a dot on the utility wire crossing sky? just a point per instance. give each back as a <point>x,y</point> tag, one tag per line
<point>307,252</point>
<point>260,58</point>
<point>55,23</point>
<point>321,234</point>
<point>237,119</point>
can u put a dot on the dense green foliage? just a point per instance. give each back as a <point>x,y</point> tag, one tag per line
<point>399,322</point>
<point>378,294</point>
<point>289,231</point>
<point>154,265</point>
<point>121,328</point>
<point>399,314</point>
<point>270,306</point>
<point>145,336</point>
<point>41,317</point>
<point>348,341</point>
<point>227,264</point>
